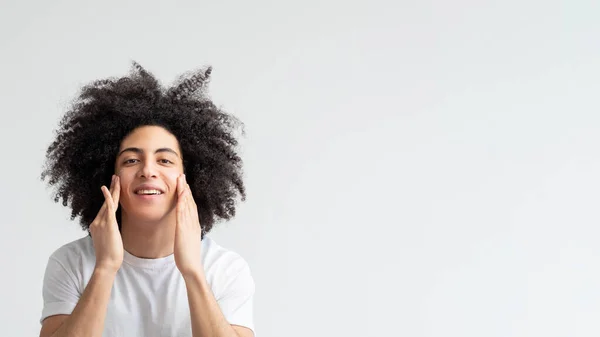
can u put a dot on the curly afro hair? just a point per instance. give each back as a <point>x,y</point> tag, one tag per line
<point>81,158</point>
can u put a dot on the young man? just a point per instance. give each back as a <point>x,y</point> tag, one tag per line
<point>146,269</point>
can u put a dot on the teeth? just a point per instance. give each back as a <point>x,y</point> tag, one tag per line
<point>148,192</point>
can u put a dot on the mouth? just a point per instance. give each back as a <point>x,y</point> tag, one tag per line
<point>148,192</point>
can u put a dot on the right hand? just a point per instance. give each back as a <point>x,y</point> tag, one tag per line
<point>106,237</point>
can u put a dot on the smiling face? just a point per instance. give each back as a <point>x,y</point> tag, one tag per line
<point>148,164</point>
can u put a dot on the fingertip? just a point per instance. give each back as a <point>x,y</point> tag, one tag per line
<point>180,181</point>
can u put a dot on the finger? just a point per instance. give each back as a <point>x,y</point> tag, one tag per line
<point>186,191</point>
<point>186,200</point>
<point>180,192</point>
<point>181,185</point>
<point>189,200</point>
<point>180,198</point>
<point>192,207</point>
<point>112,183</point>
<point>108,200</point>
<point>193,202</point>
<point>101,212</point>
<point>116,193</point>
<point>184,196</point>
<point>191,196</point>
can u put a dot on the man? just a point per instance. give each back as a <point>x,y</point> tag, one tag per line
<point>146,269</point>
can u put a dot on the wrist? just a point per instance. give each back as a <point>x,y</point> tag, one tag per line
<point>104,271</point>
<point>194,275</point>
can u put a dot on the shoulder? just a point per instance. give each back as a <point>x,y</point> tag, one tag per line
<point>75,252</point>
<point>67,270</point>
<point>225,269</point>
<point>217,257</point>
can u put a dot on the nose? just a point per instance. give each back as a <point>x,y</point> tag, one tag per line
<point>148,169</point>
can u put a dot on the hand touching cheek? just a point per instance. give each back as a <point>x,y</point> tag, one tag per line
<point>108,245</point>
<point>188,233</point>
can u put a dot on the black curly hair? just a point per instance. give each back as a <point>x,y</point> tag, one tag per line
<point>81,158</point>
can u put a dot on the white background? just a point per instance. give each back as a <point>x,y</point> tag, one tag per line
<point>414,168</point>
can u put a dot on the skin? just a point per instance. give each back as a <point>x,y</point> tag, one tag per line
<point>151,227</point>
<point>151,155</point>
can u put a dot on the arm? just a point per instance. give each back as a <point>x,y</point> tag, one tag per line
<point>207,318</point>
<point>88,316</point>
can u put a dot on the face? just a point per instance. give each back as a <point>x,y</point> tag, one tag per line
<point>148,164</point>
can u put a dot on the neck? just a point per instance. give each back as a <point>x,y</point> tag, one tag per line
<point>148,239</point>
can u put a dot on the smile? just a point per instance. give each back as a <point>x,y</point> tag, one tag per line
<point>149,192</point>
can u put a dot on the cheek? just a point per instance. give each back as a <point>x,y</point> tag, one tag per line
<point>171,180</point>
<point>124,182</point>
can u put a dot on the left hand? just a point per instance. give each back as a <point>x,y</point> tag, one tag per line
<point>188,233</point>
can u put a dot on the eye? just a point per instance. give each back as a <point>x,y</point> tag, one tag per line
<point>165,161</point>
<point>129,161</point>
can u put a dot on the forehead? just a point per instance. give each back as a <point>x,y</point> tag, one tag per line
<point>149,138</point>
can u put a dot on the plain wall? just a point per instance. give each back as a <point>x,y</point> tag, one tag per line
<point>414,168</point>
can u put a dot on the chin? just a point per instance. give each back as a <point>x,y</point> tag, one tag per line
<point>148,216</point>
<point>145,217</point>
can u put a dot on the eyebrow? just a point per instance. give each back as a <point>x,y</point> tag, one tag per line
<point>140,151</point>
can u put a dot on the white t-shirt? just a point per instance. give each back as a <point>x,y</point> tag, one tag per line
<point>149,296</point>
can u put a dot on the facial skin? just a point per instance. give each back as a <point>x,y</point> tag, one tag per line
<point>149,155</point>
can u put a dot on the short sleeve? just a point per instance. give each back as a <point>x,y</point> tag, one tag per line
<point>236,299</point>
<point>59,291</point>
